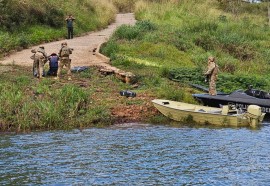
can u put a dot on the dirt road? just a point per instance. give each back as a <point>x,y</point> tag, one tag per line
<point>83,46</point>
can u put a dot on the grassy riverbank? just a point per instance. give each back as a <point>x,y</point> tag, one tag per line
<point>171,41</point>
<point>90,99</point>
<point>179,36</point>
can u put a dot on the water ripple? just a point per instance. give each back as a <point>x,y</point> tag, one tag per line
<point>137,155</point>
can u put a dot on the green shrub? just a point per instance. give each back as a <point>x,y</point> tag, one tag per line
<point>127,32</point>
<point>181,42</point>
<point>186,75</point>
<point>171,93</point>
<point>124,5</point>
<point>228,83</point>
<point>205,41</point>
<point>110,49</point>
<point>146,25</point>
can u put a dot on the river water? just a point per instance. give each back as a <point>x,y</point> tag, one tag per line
<point>134,154</point>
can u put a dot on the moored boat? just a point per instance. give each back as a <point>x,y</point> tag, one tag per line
<point>240,98</point>
<point>228,115</point>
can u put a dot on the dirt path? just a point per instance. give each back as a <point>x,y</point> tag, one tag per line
<point>83,46</point>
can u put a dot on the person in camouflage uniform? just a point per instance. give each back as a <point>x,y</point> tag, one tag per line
<point>64,53</point>
<point>40,58</point>
<point>211,73</point>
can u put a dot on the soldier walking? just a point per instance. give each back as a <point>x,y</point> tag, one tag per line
<point>211,73</point>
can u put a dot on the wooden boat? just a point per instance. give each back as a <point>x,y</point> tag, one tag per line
<point>228,115</point>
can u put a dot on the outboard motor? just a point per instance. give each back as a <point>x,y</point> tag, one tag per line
<point>127,93</point>
<point>254,112</point>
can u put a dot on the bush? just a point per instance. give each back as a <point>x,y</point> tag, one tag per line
<point>124,5</point>
<point>187,75</point>
<point>146,25</point>
<point>225,82</point>
<point>23,40</point>
<point>110,49</point>
<point>127,32</point>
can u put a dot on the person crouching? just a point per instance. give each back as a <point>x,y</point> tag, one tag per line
<point>53,64</point>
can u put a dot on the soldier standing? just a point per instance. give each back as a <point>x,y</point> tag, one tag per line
<point>69,21</point>
<point>212,71</point>
<point>40,58</point>
<point>64,53</point>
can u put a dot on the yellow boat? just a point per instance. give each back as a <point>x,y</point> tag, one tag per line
<point>228,115</point>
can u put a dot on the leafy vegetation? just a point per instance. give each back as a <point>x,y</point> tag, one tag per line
<point>180,41</point>
<point>171,41</point>
<point>29,104</point>
<point>29,22</point>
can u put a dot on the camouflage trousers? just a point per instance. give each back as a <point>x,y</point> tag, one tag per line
<point>212,87</point>
<point>64,62</point>
<point>38,65</point>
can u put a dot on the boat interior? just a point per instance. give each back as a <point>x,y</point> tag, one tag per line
<point>225,110</point>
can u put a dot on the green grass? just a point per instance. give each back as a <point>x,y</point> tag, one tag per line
<point>167,50</point>
<point>30,104</point>
<point>30,22</point>
<point>183,35</point>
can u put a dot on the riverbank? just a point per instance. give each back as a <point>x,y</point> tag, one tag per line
<point>29,103</point>
<point>90,99</point>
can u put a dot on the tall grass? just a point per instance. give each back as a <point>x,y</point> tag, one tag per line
<point>187,32</point>
<point>171,41</point>
<point>30,22</point>
<point>29,104</point>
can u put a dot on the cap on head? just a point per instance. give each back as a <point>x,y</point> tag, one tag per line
<point>41,47</point>
<point>64,44</point>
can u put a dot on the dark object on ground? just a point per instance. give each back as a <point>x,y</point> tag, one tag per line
<point>127,93</point>
<point>79,68</point>
<point>240,98</point>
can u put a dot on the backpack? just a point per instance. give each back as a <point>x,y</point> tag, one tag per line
<point>65,52</point>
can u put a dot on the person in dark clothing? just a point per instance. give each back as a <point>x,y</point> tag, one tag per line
<point>53,64</point>
<point>69,21</point>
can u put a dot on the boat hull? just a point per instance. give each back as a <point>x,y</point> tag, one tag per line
<point>240,100</point>
<point>180,111</point>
